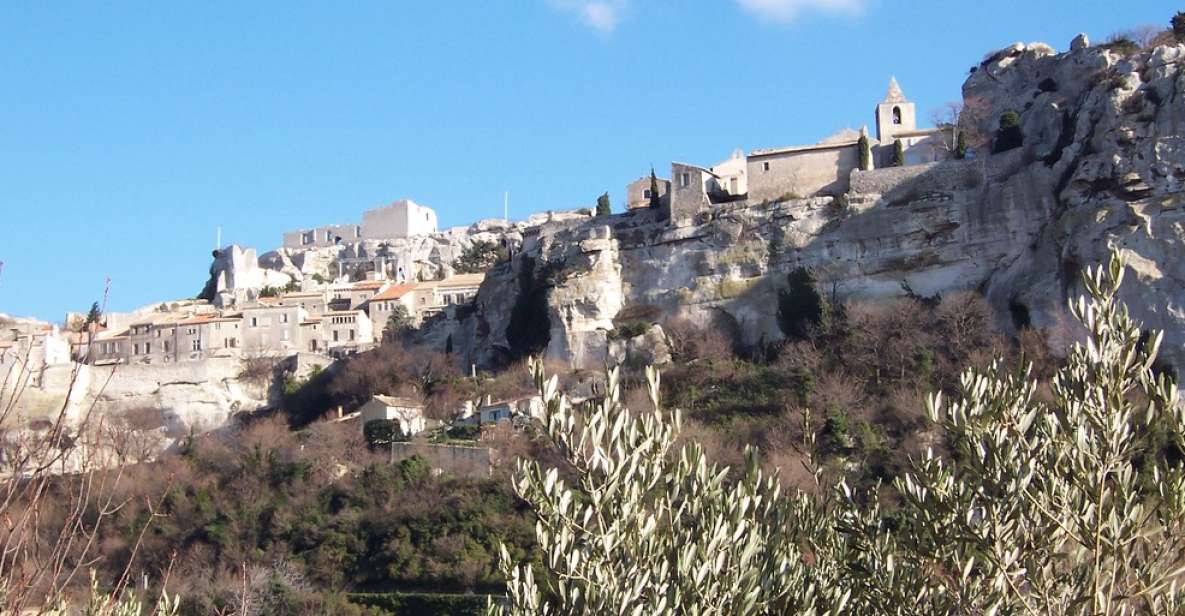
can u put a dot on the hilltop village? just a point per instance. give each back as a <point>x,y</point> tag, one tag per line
<point>1053,161</point>
<point>256,311</point>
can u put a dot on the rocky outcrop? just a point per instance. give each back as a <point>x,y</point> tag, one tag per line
<point>1100,167</point>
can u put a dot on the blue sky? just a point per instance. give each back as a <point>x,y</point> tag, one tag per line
<point>129,132</point>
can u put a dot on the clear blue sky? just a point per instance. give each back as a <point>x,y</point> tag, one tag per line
<point>129,132</point>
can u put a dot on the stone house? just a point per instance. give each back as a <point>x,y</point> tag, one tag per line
<point>434,296</point>
<point>509,409</point>
<point>272,329</point>
<point>382,306</point>
<point>408,413</point>
<point>802,171</point>
<point>637,193</point>
<point>346,330</point>
<point>202,336</point>
<point>109,346</point>
<point>314,302</point>
<point>310,334</point>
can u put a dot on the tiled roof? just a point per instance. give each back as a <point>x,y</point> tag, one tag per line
<point>368,284</point>
<point>394,292</point>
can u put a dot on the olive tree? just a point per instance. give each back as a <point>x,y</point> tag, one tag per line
<point>1067,503</point>
<point>1071,505</point>
<point>649,527</point>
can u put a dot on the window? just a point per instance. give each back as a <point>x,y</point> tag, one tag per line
<point>147,348</point>
<point>166,346</point>
<point>685,179</point>
<point>765,166</point>
<point>335,335</point>
<point>896,115</point>
<point>351,335</point>
<point>191,331</point>
<point>136,349</point>
<point>284,318</point>
<point>197,344</point>
<point>158,333</point>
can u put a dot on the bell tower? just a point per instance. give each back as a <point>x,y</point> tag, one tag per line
<point>894,115</point>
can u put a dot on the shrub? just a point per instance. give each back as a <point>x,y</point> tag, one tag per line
<point>479,256</point>
<point>1009,135</point>
<point>800,307</point>
<point>382,432</point>
<point>961,146</point>
<point>865,153</point>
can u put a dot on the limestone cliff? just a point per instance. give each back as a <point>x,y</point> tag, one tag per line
<point>1101,166</point>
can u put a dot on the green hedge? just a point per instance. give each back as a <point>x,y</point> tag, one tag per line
<point>425,604</point>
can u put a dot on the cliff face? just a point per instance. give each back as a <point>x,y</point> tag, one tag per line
<point>1100,167</point>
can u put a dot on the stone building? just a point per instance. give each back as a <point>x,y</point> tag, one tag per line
<point>797,172</point>
<point>270,328</point>
<point>406,412</point>
<point>382,306</point>
<point>401,219</point>
<point>638,192</point>
<point>345,331</point>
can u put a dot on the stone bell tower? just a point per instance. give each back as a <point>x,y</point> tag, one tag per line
<point>894,115</point>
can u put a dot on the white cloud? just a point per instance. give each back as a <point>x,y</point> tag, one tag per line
<point>600,15</point>
<point>785,11</point>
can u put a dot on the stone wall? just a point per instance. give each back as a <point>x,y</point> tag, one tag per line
<point>451,459</point>
<point>948,176</point>
<point>801,173</point>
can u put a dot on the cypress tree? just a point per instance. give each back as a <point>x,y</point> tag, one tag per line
<point>603,208</point>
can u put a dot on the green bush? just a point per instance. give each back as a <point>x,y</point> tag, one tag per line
<point>629,329</point>
<point>898,153</point>
<point>800,307</point>
<point>422,604</point>
<point>1009,135</point>
<point>382,432</point>
<point>479,257</point>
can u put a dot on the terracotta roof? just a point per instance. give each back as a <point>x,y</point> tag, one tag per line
<point>394,292</point>
<point>368,284</point>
